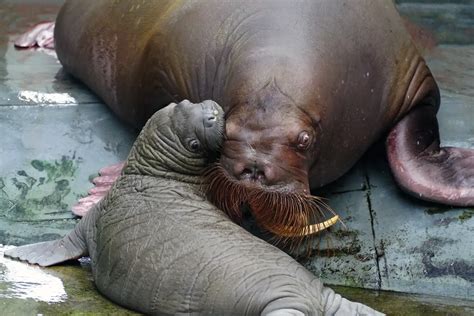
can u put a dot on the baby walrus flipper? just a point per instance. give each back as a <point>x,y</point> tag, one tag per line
<point>198,128</point>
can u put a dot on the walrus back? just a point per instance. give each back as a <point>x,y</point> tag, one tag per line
<point>140,56</point>
<point>350,62</point>
<point>105,54</point>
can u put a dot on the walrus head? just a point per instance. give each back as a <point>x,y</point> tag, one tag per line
<point>178,141</point>
<point>268,151</point>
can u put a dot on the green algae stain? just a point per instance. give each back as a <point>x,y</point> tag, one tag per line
<point>54,200</point>
<point>352,281</point>
<point>66,167</point>
<point>349,244</point>
<point>393,303</point>
<point>466,215</point>
<point>5,203</point>
<point>37,190</point>
<point>438,210</point>
<point>346,233</point>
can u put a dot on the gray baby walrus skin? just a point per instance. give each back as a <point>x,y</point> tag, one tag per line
<point>159,247</point>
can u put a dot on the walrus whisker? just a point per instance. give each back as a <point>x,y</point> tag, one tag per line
<point>226,194</point>
<point>292,218</point>
<point>320,203</point>
<point>297,230</point>
<point>297,207</point>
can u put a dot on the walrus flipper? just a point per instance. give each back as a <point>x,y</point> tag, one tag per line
<point>102,185</point>
<point>423,168</point>
<point>49,253</point>
<point>41,35</point>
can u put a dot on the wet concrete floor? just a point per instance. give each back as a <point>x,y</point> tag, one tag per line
<point>55,135</point>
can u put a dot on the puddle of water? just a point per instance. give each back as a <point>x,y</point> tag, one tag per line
<point>24,281</point>
<point>30,290</point>
<point>42,98</point>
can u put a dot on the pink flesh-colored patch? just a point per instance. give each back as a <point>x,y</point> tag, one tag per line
<point>104,180</point>
<point>41,35</point>
<point>103,183</point>
<point>112,169</point>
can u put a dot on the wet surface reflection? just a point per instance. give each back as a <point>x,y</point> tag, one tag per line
<point>30,76</point>
<point>46,98</point>
<point>21,280</point>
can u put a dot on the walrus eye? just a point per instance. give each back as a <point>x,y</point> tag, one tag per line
<point>194,145</point>
<point>304,140</point>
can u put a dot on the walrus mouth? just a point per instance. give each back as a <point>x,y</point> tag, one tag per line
<point>284,214</point>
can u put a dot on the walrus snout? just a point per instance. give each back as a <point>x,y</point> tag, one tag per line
<point>210,117</point>
<point>211,113</point>
<point>251,170</point>
<point>254,171</point>
<point>260,172</point>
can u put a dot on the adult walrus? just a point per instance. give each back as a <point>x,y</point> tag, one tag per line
<point>307,86</point>
<point>159,247</point>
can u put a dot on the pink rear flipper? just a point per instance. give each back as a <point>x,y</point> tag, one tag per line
<point>41,35</point>
<point>423,168</point>
<point>103,183</point>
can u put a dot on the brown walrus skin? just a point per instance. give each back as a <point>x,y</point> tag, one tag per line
<point>307,86</point>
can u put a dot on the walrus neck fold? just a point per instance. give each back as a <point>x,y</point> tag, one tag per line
<point>158,152</point>
<point>159,167</point>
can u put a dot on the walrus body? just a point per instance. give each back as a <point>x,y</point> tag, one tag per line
<point>158,247</point>
<point>313,55</point>
<point>307,86</point>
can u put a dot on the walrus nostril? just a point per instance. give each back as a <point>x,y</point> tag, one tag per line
<point>252,173</point>
<point>247,172</point>
<point>209,120</point>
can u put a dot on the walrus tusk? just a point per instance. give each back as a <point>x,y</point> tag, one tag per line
<point>312,229</point>
<point>316,228</point>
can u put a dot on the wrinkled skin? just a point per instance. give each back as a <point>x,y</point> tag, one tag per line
<point>307,86</point>
<point>158,247</point>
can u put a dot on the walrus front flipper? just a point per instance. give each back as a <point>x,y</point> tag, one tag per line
<point>423,168</point>
<point>102,185</point>
<point>50,252</point>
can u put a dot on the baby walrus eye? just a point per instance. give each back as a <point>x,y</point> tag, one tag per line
<point>304,140</point>
<point>194,145</point>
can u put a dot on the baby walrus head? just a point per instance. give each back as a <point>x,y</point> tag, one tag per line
<point>178,142</point>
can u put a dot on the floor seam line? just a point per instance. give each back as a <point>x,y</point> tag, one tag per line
<point>372,222</point>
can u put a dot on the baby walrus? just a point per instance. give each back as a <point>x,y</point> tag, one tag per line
<point>159,247</point>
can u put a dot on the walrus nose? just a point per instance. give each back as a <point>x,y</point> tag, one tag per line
<point>209,119</point>
<point>253,172</point>
<point>210,113</point>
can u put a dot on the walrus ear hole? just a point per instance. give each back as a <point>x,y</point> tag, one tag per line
<point>304,140</point>
<point>194,145</point>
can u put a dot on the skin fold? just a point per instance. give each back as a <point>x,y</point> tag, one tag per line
<point>307,86</point>
<point>158,246</point>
